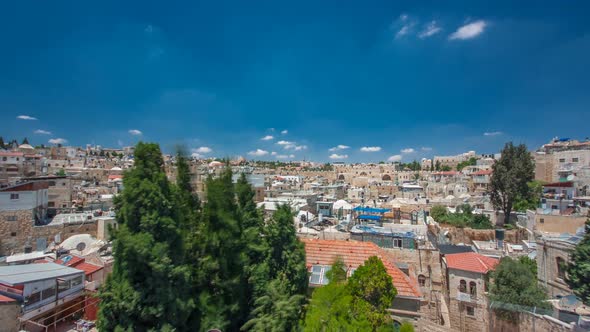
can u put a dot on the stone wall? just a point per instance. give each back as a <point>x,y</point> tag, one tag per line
<point>15,235</point>
<point>467,235</point>
<point>8,317</point>
<point>460,321</point>
<point>529,322</point>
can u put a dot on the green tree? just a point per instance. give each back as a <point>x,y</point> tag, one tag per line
<point>531,202</point>
<point>437,165</point>
<point>372,292</point>
<point>438,212</point>
<point>25,141</point>
<point>531,263</point>
<point>446,168</point>
<point>471,162</point>
<point>223,297</point>
<point>512,173</point>
<point>1,142</point>
<point>578,271</point>
<point>60,172</point>
<point>146,290</point>
<point>406,327</point>
<point>515,285</point>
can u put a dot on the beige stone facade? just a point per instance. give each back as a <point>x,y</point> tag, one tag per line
<point>9,313</point>
<point>552,255</point>
<point>467,298</point>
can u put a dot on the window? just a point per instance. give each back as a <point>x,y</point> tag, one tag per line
<point>575,160</point>
<point>51,183</point>
<point>561,265</point>
<point>63,285</point>
<point>10,218</point>
<point>14,196</point>
<point>33,298</point>
<point>542,220</point>
<point>473,289</point>
<point>562,160</point>
<point>470,310</point>
<point>463,286</point>
<point>77,281</point>
<point>50,204</point>
<point>318,274</point>
<point>13,234</point>
<point>422,280</point>
<point>397,243</point>
<point>48,293</point>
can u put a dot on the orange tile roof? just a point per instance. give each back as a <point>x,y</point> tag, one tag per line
<point>471,261</point>
<point>88,268</point>
<point>75,260</point>
<point>354,254</point>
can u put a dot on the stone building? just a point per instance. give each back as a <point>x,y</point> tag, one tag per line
<point>552,257</point>
<point>467,286</point>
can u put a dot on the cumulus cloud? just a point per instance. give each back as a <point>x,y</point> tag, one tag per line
<point>338,156</point>
<point>425,148</point>
<point>395,158</point>
<point>284,132</point>
<point>273,153</point>
<point>339,147</point>
<point>258,153</point>
<point>407,150</point>
<point>203,149</point>
<point>135,132</point>
<point>42,132</point>
<point>371,149</point>
<point>58,141</point>
<point>297,147</point>
<point>285,143</point>
<point>430,30</point>
<point>26,117</point>
<point>267,138</point>
<point>492,133</point>
<point>469,31</point>
<point>288,145</point>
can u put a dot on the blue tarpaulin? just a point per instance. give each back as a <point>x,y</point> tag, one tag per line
<point>369,210</point>
<point>368,217</point>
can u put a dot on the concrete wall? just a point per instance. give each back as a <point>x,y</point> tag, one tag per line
<point>558,223</point>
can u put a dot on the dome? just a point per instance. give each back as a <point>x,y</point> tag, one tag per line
<point>215,164</point>
<point>26,147</point>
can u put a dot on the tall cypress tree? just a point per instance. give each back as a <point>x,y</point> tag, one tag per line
<point>578,271</point>
<point>223,298</point>
<point>147,289</point>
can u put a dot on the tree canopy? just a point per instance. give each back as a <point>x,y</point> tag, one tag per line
<point>357,304</point>
<point>578,271</point>
<point>515,286</point>
<point>510,178</point>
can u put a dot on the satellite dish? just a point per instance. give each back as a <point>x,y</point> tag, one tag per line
<point>571,177</point>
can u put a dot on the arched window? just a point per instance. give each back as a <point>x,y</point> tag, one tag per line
<point>421,280</point>
<point>473,289</point>
<point>386,177</point>
<point>463,286</point>
<point>561,265</point>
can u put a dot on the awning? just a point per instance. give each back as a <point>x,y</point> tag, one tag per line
<point>368,217</point>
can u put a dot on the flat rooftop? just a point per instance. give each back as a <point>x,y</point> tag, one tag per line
<point>20,274</point>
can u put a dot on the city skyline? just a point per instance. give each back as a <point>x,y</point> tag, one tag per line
<point>326,82</point>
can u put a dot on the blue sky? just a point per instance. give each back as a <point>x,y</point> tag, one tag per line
<point>423,77</point>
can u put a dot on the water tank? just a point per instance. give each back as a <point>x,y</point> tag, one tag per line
<point>500,238</point>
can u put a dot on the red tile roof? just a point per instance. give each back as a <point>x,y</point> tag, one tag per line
<point>354,254</point>
<point>75,260</point>
<point>471,261</point>
<point>88,268</point>
<point>5,299</point>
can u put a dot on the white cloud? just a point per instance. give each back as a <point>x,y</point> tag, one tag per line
<point>298,147</point>
<point>288,145</point>
<point>25,117</point>
<point>273,153</point>
<point>267,138</point>
<point>403,31</point>
<point>203,149</point>
<point>371,149</point>
<point>258,153</point>
<point>284,132</point>
<point>135,132</point>
<point>285,143</point>
<point>470,30</point>
<point>407,150</point>
<point>339,147</point>
<point>395,158</point>
<point>492,133</point>
<point>430,30</point>
<point>42,132</point>
<point>425,148</point>
<point>58,141</point>
<point>338,156</point>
